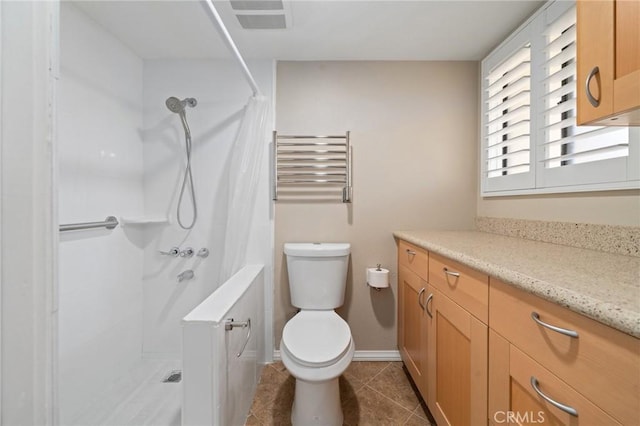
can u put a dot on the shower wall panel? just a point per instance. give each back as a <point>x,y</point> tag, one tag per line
<point>100,174</point>
<point>222,94</point>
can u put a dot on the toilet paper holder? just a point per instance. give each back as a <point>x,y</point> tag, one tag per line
<point>377,278</point>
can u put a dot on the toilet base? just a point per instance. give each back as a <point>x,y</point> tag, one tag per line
<point>317,403</point>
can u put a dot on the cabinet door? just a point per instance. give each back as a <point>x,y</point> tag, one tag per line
<point>626,84</point>
<point>595,44</point>
<point>412,337</point>
<point>457,359</point>
<point>514,400</point>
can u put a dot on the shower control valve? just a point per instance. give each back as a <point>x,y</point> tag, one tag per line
<point>173,251</point>
<point>203,252</point>
<point>188,252</point>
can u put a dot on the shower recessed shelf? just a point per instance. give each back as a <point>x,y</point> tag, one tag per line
<point>143,220</point>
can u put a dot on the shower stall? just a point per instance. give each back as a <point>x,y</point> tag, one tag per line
<point>187,182</point>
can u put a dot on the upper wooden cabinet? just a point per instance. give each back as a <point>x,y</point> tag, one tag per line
<point>608,43</point>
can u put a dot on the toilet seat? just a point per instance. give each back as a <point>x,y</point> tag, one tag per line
<point>316,338</point>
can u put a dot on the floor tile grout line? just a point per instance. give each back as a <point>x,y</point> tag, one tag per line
<point>394,402</point>
<point>409,380</point>
<point>378,373</point>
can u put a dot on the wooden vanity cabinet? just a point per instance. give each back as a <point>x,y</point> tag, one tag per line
<point>485,352</point>
<point>608,62</point>
<point>442,334</point>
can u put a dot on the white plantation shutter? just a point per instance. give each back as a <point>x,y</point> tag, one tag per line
<point>566,149</point>
<point>507,160</point>
<point>509,109</point>
<point>530,141</point>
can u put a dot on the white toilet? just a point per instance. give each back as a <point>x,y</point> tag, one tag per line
<point>316,343</point>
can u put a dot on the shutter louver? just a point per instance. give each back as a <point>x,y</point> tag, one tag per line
<point>565,144</point>
<point>508,115</point>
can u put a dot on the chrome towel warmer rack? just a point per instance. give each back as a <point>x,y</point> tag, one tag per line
<point>110,222</point>
<point>312,161</point>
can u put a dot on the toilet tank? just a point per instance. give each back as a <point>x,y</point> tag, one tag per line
<point>317,274</point>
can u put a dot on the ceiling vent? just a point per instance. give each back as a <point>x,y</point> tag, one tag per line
<point>262,14</point>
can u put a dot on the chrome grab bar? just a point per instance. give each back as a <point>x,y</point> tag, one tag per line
<point>110,222</point>
<point>566,408</point>
<point>571,333</point>
<point>310,181</point>
<point>230,324</point>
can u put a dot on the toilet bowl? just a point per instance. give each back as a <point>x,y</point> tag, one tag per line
<point>317,346</point>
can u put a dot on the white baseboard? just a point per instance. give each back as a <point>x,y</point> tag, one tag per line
<point>392,355</point>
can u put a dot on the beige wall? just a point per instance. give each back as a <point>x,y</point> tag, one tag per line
<point>414,135</point>
<point>609,208</point>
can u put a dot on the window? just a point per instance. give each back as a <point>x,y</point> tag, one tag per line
<point>531,143</point>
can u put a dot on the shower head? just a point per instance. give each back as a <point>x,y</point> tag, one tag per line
<point>176,105</point>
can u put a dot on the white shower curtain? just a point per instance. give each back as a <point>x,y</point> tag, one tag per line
<point>244,177</point>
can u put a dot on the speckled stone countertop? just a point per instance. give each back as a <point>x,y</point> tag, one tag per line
<point>602,286</point>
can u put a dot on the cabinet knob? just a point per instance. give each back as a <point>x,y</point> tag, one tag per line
<point>593,101</point>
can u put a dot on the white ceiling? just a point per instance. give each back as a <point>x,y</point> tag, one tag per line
<point>320,30</point>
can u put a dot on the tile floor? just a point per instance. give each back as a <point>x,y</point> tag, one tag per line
<point>372,393</point>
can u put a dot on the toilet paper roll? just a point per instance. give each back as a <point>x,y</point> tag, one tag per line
<point>378,279</point>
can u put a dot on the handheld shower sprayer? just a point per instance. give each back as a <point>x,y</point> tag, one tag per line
<point>179,107</point>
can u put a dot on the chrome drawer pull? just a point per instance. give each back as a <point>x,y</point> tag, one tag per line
<point>567,409</point>
<point>420,298</point>
<point>593,101</point>
<point>453,274</point>
<point>536,317</point>
<point>411,252</point>
<point>426,305</point>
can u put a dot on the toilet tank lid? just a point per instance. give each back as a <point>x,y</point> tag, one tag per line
<point>317,249</point>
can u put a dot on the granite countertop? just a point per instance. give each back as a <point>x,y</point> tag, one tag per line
<point>601,286</point>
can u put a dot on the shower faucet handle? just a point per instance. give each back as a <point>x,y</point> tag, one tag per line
<point>173,251</point>
<point>203,252</point>
<point>188,252</point>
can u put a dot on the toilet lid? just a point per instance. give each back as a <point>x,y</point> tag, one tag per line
<point>316,338</point>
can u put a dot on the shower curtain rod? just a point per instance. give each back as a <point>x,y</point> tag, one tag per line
<point>226,37</point>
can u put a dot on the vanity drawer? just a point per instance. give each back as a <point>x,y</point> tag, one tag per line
<point>525,373</point>
<point>467,287</point>
<point>601,363</point>
<point>414,258</point>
